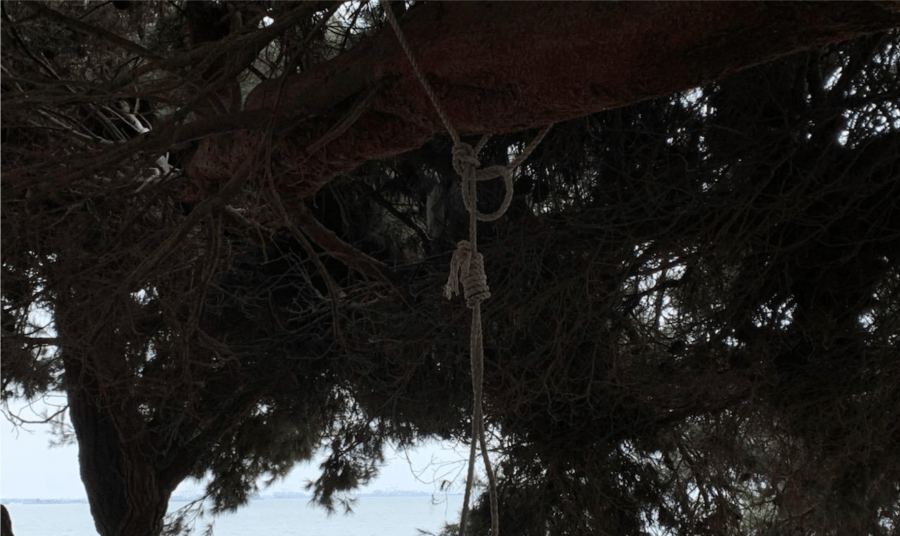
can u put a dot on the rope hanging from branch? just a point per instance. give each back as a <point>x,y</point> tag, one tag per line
<point>467,266</point>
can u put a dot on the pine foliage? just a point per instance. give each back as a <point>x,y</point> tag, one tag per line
<point>695,312</point>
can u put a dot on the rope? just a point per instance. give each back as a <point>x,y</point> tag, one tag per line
<point>467,267</point>
<point>389,13</point>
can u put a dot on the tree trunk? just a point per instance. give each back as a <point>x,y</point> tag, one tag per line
<point>507,66</point>
<point>127,494</point>
<point>127,476</point>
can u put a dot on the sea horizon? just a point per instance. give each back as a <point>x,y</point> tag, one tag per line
<point>270,496</point>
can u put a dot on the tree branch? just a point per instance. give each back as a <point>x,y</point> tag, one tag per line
<point>502,67</point>
<point>90,29</point>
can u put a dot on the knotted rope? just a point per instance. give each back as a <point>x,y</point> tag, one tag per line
<point>467,266</point>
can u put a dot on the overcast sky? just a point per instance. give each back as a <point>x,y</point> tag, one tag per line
<point>30,469</point>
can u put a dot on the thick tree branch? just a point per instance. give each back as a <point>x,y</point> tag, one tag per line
<point>337,248</point>
<point>500,67</point>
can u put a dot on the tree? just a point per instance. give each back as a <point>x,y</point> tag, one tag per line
<point>694,322</point>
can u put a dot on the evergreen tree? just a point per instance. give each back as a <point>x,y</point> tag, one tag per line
<point>239,217</point>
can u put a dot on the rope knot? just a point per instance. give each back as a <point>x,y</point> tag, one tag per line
<point>465,160</point>
<point>467,266</point>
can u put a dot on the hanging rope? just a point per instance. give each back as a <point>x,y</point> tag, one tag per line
<point>467,266</point>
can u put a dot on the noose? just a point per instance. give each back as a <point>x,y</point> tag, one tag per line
<point>467,266</point>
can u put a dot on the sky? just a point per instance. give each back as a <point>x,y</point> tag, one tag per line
<point>29,468</point>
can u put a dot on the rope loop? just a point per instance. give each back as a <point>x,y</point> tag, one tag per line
<point>494,172</point>
<point>467,266</point>
<point>465,163</point>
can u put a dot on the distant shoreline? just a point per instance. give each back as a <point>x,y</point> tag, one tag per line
<point>278,495</point>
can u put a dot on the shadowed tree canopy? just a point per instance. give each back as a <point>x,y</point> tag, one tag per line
<point>226,227</point>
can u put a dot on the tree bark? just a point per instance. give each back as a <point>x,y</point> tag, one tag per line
<point>507,66</point>
<point>127,494</point>
<point>127,476</point>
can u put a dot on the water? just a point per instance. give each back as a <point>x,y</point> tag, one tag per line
<point>372,516</point>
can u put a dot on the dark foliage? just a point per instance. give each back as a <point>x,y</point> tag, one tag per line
<point>694,322</point>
